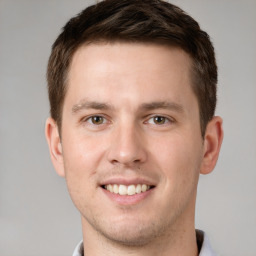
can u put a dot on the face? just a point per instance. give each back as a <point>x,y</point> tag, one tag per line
<point>131,148</point>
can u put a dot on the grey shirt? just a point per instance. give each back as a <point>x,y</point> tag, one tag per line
<point>203,244</point>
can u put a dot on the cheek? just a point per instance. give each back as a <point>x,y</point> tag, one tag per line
<point>81,154</point>
<point>81,160</point>
<point>180,160</point>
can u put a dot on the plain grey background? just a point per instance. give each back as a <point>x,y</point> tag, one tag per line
<point>37,216</point>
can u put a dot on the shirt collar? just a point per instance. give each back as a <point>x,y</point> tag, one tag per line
<point>202,242</point>
<point>206,249</point>
<point>78,249</point>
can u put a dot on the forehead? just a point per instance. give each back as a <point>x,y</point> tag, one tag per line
<point>141,69</point>
<point>102,51</point>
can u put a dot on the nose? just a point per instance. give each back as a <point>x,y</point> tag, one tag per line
<point>127,146</point>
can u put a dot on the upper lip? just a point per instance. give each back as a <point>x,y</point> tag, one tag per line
<point>127,181</point>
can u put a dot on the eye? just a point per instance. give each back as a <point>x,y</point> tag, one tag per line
<point>96,120</point>
<point>158,120</point>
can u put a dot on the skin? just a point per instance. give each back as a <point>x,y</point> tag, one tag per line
<point>147,130</point>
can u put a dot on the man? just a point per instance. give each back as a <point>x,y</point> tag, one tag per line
<point>132,89</point>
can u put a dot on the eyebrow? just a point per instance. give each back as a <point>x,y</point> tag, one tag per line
<point>144,107</point>
<point>90,105</point>
<point>162,105</point>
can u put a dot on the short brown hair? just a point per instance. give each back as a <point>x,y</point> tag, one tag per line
<point>153,21</point>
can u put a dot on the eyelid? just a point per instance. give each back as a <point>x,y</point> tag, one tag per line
<point>169,119</point>
<point>88,118</point>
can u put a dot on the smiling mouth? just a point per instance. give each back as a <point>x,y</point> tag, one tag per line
<point>124,190</point>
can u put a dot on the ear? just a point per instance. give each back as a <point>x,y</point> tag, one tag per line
<point>55,147</point>
<point>212,143</point>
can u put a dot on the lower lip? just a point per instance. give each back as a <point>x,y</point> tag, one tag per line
<point>127,200</point>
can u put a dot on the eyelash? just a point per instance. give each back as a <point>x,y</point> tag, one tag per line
<point>167,120</point>
<point>163,120</point>
<point>90,120</point>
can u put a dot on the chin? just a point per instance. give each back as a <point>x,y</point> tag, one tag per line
<point>134,238</point>
<point>133,234</point>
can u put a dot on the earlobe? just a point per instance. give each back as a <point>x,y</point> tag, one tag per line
<point>54,144</point>
<point>212,144</point>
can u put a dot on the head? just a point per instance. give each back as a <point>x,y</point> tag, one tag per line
<point>132,88</point>
<point>147,21</point>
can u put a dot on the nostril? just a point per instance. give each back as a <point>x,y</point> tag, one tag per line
<point>114,161</point>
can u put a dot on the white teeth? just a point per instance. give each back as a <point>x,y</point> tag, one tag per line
<point>138,189</point>
<point>122,190</point>
<point>144,188</point>
<point>115,189</point>
<point>131,190</point>
<point>110,188</point>
<point>127,190</point>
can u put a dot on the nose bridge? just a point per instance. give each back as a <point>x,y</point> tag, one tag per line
<point>126,145</point>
